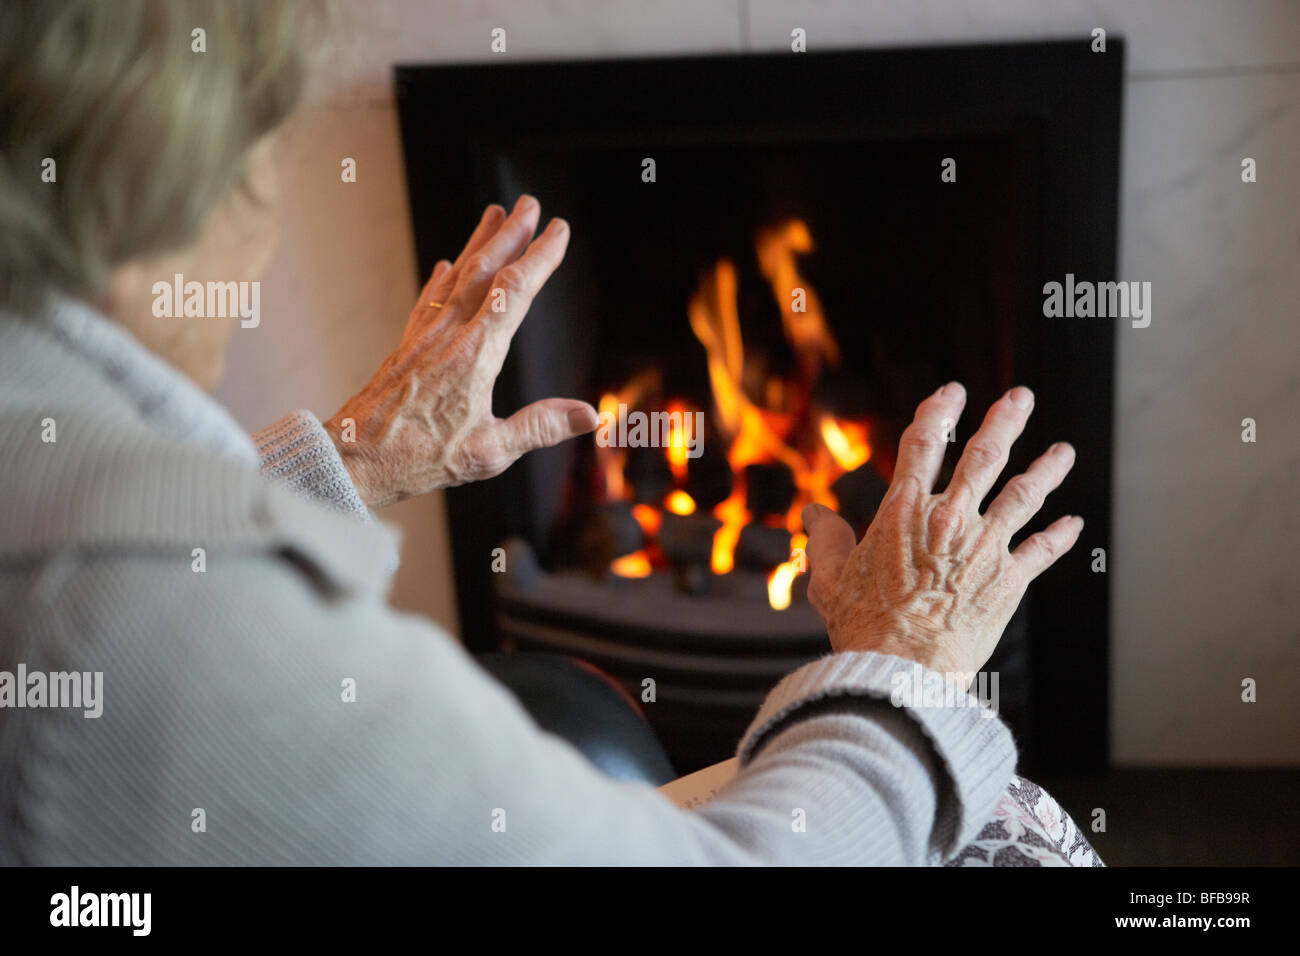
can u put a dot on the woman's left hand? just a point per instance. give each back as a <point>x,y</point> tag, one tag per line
<point>425,420</point>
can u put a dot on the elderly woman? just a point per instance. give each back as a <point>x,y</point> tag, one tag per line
<point>226,587</point>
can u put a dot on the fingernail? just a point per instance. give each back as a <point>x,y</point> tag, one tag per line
<point>524,202</point>
<point>809,516</point>
<point>582,420</point>
<point>951,390</point>
<point>1021,396</point>
<point>559,225</point>
<point>1063,448</point>
<point>1079,518</point>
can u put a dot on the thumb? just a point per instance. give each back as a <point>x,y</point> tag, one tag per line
<point>830,542</point>
<point>545,423</point>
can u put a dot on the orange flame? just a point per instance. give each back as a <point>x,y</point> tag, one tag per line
<point>648,518</point>
<point>716,323</point>
<point>799,551</point>
<point>780,581</point>
<point>787,426</point>
<point>680,425</point>
<point>634,565</point>
<point>846,441</point>
<point>778,586</point>
<point>611,461</point>
<point>680,503</point>
<point>734,517</point>
<point>761,434</point>
<point>802,317</point>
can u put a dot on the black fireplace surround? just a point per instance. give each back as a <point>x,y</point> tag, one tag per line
<point>924,281</point>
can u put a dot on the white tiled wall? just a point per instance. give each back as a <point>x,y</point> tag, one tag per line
<point>1202,558</point>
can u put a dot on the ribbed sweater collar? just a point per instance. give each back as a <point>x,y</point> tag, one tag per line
<point>167,401</point>
<point>148,464</point>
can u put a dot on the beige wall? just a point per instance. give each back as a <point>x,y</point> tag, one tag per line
<point>334,304</point>
<point>1202,554</point>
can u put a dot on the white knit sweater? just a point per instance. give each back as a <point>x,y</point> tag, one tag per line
<point>228,732</point>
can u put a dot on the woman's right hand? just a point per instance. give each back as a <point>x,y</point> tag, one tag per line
<point>933,580</point>
<point>425,420</point>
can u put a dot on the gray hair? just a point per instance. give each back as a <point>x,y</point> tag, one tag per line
<point>118,137</point>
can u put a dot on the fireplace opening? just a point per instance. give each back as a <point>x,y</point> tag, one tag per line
<point>767,272</point>
<point>799,324</point>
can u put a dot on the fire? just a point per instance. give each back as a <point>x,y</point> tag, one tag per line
<point>780,581</point>
<point>680,422</point>
<point>714,320</point>
<point>611,461</point>
<point>734,517</point>
<point>778,586</point>
<point>634,565</point>
<point>680,503</point>
<point>772,420</point>
<point>763,434</point>
<point>846,441</point>
<point>716,323</point>
<point>648,518</point>
<point>799,551</point>
<point>801,311</point>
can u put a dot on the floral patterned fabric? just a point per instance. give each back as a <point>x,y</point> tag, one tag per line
<point>1028,828</point>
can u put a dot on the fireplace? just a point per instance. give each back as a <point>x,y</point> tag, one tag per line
<point>774,258</point>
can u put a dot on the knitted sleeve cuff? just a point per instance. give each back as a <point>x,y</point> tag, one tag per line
<point>975,747</point>
<point>297,451</point>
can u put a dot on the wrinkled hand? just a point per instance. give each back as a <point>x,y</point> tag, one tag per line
<point>933,580</point>
<point>425,420</point>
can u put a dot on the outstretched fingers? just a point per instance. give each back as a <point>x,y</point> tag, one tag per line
<point>1023,495</point>
<point>1040,551</point>
<point>922,446</point>
<point>432,304</point>
<point>477,270</point>
<point>514,288</point>
<point>488,225</point>
<point>985,455</point>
